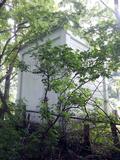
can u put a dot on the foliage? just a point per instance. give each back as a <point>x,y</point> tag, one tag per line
<point>9,142</point>
<point>64,72</point>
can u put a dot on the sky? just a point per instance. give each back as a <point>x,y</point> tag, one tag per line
<point>91,3</point>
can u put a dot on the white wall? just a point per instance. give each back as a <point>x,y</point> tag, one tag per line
<point>30,86</point>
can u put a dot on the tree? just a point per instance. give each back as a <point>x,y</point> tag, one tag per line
<point>64,71</point>
<point>20,26</point>
<point>101,59</point>
<point>23,22</point>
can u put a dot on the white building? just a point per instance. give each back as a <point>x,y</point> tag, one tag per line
<point>30,86</point>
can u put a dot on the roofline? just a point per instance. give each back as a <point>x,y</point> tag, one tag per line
<point>41,38</point>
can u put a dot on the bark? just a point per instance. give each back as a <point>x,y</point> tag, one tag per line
<point>4,107</point>
<point>86,138</point>
<point>116,2</point>
<point>114,134</point>
<point>2,3</point>
<point>5,96</point>
<point>86,134</point>
<point>7,83</point>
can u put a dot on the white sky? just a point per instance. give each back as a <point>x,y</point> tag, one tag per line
<point>91,3</point>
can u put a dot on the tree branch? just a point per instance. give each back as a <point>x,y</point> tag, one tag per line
<point>2,3</point>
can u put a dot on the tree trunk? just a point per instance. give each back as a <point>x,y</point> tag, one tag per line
<point>7,83</point>
<point>5,96</point>
<point>114,134</point>
<point>2,3</point>
<point>86,139</point>
<point>4,107</point>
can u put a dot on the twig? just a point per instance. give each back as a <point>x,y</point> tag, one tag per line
<point>107,6</point>
<point>2,3</point>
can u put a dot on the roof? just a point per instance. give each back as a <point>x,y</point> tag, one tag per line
<point>59,36</point>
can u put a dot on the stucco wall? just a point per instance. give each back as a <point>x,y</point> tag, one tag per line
<point>30,86</point>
